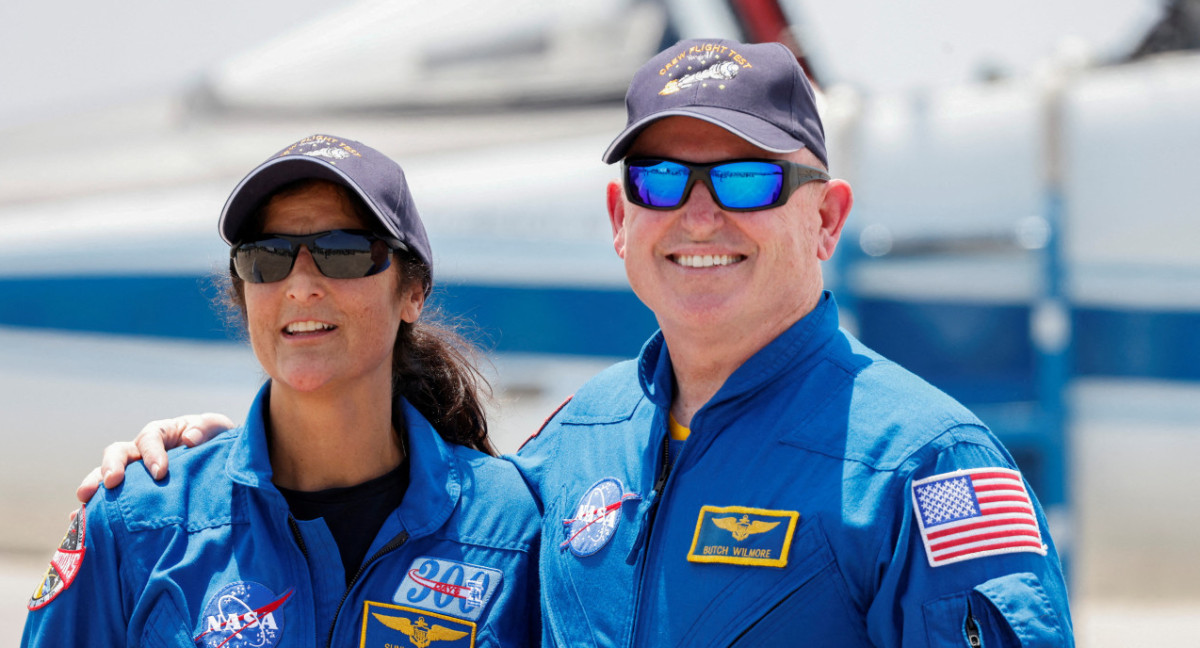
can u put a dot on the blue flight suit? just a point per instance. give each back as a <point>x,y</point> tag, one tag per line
<point>796,514</point>
<point>211,556</point>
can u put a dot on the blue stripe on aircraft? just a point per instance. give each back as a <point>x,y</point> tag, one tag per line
<point>577,321</point>
<point>984,352</point>
<point>978,352</point>
<point>156,306</point>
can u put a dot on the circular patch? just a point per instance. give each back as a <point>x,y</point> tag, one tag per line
<point>65,563</point>
<point>243,614</point>
<point>596,517</point>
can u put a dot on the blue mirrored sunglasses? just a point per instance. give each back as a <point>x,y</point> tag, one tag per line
<point>736,185</point>
<point>338,254</point>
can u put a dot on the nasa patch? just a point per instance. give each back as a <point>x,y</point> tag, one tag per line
<point>243,614</point>
<point>396,625</point>
<point>449,587</point>
<point>596,517</point>
<point>65,563</point>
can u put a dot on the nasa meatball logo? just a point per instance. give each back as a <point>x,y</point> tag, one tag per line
<point>596,517</point>
<point>243,614</point>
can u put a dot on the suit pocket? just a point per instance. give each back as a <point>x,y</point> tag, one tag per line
<point>166,627</point>
<point>804,603</point>
<point>1011,611</point>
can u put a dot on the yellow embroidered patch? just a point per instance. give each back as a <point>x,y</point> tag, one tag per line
<point>395,626</point>
<point>740,535</point>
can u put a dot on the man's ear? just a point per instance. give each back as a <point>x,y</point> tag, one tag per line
<point>836,201</point>
<point>616,216</point>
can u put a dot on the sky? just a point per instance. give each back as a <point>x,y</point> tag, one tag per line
<point>886,45</point>
<point>61,56</point>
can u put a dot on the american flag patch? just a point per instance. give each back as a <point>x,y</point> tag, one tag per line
<point>975,513</point>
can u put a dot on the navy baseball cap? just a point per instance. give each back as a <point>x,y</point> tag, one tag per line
<point>758,92</point>
<point>375,177</point>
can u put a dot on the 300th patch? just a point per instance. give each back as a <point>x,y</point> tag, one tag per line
<point>596,517</point>
<point>65,563</point>
<point>398,626</point>
<point>740,535</point>
<point>448,586</point>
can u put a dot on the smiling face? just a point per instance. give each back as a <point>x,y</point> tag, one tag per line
<point>311,332</point>
<point>707,271</point>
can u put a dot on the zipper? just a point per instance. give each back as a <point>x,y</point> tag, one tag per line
<point>972,628</point>
<point>666,469</point>
<point>643,537</point>
<point>652,506</point>
<point>295,528</point>
<point>299,538</point>
<point>392,545</point>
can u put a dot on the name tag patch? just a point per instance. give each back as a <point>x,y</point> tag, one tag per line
<point>740,535</point>
<point>448,587</point>
<point>398,626</point>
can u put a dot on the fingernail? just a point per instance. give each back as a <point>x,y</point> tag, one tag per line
<point>155,469</point>
<point>190,435</point>
<point>104,475</point>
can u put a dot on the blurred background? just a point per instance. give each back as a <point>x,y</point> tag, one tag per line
<point>1024,175</point>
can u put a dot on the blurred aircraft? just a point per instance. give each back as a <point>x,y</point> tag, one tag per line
<point>1012,239</point>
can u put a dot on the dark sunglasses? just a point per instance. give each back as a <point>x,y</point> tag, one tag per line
<point>736,185</point>
<point>339,254</point>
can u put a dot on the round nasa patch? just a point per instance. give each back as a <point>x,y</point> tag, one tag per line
<point>243,614</point>
<point>596,517</point>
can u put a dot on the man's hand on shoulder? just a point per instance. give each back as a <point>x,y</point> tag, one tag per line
<point>150,446</point>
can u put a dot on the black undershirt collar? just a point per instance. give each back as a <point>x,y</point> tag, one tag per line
<point>354,514</point>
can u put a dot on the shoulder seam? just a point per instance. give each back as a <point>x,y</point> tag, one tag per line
<point>909,465</point>
<point>546,422</point>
